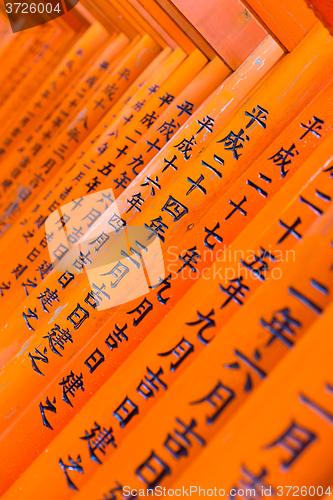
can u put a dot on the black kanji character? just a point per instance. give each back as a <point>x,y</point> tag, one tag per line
<point>290,230</point>
<point>139,105</point>
<point>281,327</point>
<point>19,270</point>
<point>234,142</point>
<point>157,227</point>
<point>187,108</point>
<point>149,119</point>
<point>174,208</point>
<point>125,412</point>
<point>207,321</point>
<point>186,147</point>
<point>153,145</point>
<point>295,440</point>
<point>106,170</point>
<point>122,151</point>
<point>32,284</point>
<point>260,117</point>
<point>312,127</point>
<point>153,89</point>
<point>98,439</point>
<point>166,99</point>
<point>213,234</point>
<point>93,184</point>
<point>57,338</point>
<point>259,272</point>
<point>319,287</point>
<point>123,181</point>
<point>33,255</point>
<point>318,211</point>
<point>281,158</point>
<point>47,407</point>
<point>65,279</point>
<point>78,316</point>
<point>47,298</point>
<point>70,385</point>
<point>177,447</point>
<point>167,129</point>
<point>142,309</point>
<point>248,386</point>
<point>315,408</point>
<point>116,336</point>
<point>124,74</point>
<point>31,314</point>
<point>156,471</point>
<point>74,466</point>
<point>196,184</point>
<point>149,384</point>
<point>137,162</point>
<point>235,291</point>
<point>190,259</point>
<point>154,184</point>
<point>166,285</point>
<point>38,356</point>
<point>180,351</point>
<point>5,286</point>
<point>206,124</point>
<point>237,207</point>
<point>215,399</point>
<point>170,163</point>
<point>136,202</point>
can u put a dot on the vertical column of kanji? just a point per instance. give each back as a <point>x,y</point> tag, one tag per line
<point>189,413</point>
<point>289,441</point>
<point>161,360</point>
<point>69,139</point>
<point>51,93</point>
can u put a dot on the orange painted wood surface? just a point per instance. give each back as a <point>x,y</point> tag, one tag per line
<point>166,250</point>
<point>288,22</point>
